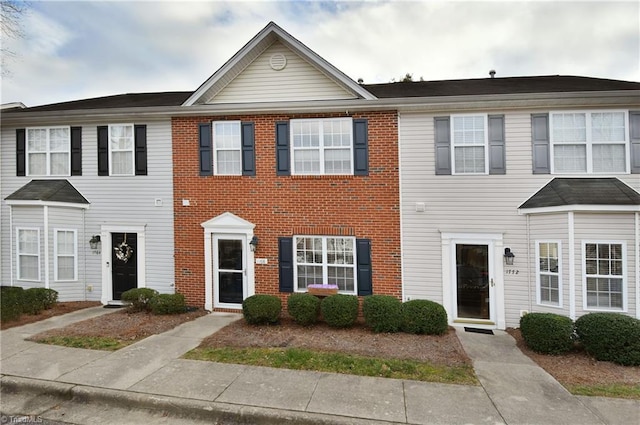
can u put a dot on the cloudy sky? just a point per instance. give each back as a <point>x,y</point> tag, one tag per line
<point>82,49</point>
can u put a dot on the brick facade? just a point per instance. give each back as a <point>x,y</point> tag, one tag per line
<point>282,206</point>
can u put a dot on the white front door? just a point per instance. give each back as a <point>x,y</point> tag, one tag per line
<point>229,270</point>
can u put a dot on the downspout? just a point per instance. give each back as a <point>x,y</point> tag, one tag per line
<point>11,247</point>
<point>637,250</point>
<point>572,271</point>
<point>529,263</point>
<point>401,215</point>
<point>46,246</point>
<point>84,254</point>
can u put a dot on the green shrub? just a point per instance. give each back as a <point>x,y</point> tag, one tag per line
<point>547,333</point>
<point>10,303</point>
<point>340,310</point>
<point>424,317</point>
<point>168,304</point>
<point>37,299</point>
<point>304,308</point>
<point>382,313</point>
<point>139,298</point>
<point>259,309</point>
<point>610,337</point>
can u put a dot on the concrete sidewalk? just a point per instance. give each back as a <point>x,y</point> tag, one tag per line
<point>61,383</point>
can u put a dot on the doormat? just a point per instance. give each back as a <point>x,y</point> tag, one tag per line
<point>479,331</point>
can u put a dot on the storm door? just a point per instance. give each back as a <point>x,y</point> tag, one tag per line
<point>474,282</point>
<point>230,270</point>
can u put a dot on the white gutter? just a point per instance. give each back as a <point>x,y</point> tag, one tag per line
<point>572,266</point>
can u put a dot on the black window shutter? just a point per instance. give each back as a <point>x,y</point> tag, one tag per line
<point>248,149</point>
<point>283,166</point>
<point>103,150</point>
<point>206,150</point>
<point>443,145</point>
<point>634,148</point>
<point>540,143</point>
<point>497,159</point>
<point>363,254</point>
<point>285,264</point>
<point>76,151</point>
<point>21,152</point>
<point>360,147</point>
<point>140,142</point>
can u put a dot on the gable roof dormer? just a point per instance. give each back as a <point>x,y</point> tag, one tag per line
<point>274,66</point>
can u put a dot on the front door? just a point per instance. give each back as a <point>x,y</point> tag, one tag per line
<point>473,282</point>
<point>229,270</point>
<point>124,270</point>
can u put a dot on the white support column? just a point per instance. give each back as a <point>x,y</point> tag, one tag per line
<point>572,266</point>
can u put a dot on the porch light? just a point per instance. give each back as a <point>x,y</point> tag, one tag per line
<point>94,242</point>
<point>508,257</point>
<point>253,244</point>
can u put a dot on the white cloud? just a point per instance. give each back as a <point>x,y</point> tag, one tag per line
<point>75,50</point>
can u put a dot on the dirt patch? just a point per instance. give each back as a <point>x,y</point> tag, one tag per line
<point>579,368</point>
<point>57,310</point>
<point>443,350</point>
<point>123,325</point>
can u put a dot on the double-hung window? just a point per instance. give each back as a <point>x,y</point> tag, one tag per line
<point>469,144</point>
<point>121,149</point>
<point>325,260</point>
<point>604,265</point>
<point>589,142</point>
<point>66,255</point>
<point>227,153</point>
<point>28,254</point>
<point>549,273</point>
<point>322,146</point>
<point>48,151</point>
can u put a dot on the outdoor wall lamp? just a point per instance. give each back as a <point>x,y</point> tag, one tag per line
<point>253,244</point>
<point>94,242</point>
<point>508,257</point>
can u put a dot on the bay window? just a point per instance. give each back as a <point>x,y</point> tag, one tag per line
<point>604,266</point>
<point>28,254</point>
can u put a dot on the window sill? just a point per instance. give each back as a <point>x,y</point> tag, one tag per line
<point>321,177</point>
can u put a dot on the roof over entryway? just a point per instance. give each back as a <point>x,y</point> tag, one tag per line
<point>47,191</point>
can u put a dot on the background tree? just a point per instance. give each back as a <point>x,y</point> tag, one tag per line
<point>11,14</point>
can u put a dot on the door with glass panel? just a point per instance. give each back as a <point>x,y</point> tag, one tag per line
<point>473,282</point>
<point>230,269</point>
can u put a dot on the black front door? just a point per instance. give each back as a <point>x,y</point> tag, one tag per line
<point>124,270</point>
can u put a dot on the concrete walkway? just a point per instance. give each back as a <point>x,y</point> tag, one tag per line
<point>60,383</point>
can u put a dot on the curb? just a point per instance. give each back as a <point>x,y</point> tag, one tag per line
<point>186,408</point>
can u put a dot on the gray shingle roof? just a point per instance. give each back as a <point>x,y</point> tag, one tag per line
<point>583,191</point>
<point>129,100</point>
<point>48,191</point>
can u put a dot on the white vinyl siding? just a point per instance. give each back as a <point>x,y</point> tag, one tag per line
<point>469,144</point>
<point>325,260</point>
<point>121,149</point>
<point>227,153</point>
<point>604,275</point>
<point>28,254</point>
<point>322,146</point>
<point>549,273</point>
<point>589,142</point>
<point>65,245</point>
<point>48,151</point>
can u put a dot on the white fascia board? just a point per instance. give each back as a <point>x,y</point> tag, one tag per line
<point>580,208</point>
<point>47,204</point>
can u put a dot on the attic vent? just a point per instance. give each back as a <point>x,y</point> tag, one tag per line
<point>278,61</point>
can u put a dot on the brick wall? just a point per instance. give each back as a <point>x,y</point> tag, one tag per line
<point>281,206</point>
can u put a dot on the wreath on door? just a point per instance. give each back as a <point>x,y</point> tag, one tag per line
<point>123,250</point>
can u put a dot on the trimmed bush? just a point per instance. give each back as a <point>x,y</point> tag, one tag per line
<point>424,317</point>
<point>610,337</point>
<point>10,303</point>
<point>139,298</point>
<point>259,309</point>
<point>168,304</point>
<point>37,299</point>
<point>547,333</point>
<point>382,313</point>
<point>304,308</point>
<point>340,310</point>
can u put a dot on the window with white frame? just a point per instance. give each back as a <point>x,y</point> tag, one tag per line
<point>65,254</point>
<point>121,149</point>
<point>322,146</point>
<point>604,275</point>
<point>589,142</point>
<point>227,153</point>
<point>48,151</point>
<point>325,260</point>
<point>469,144</point>
<point>549,275</point>
<point>28,254</point>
